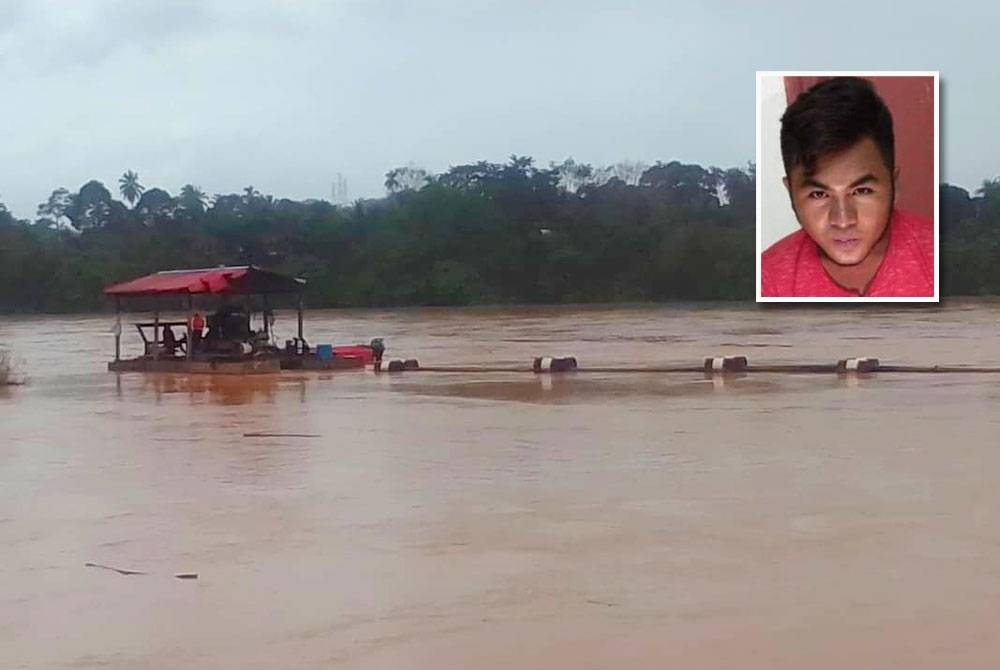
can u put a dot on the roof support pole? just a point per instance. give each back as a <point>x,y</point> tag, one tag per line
<point>247,309</point>
<point>190,332</point>
<point>267,326</point>
<point>300,316</point>
<point>118,329</point>
<point>156,335</point>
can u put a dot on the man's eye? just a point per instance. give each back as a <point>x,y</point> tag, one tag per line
<point>863,190</point>
<point>816,195</point>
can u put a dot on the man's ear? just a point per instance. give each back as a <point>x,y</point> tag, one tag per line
<point>784,180</point>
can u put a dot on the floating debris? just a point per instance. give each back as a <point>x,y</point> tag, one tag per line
<point>120,571</point>
<point>602,602</point>
<point>123,571</point>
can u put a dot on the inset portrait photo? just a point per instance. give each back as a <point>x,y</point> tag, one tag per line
<point>847,196</point>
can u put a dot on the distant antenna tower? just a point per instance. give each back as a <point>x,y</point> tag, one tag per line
<point>339,190</point>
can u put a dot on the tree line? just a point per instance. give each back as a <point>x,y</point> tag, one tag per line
<point>480,233</point>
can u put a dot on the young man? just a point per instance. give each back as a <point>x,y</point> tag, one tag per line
<point>838,148</point>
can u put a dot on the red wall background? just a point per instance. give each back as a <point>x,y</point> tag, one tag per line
<point>911,101</point>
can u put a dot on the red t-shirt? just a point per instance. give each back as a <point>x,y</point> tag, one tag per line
<point>791,267</point>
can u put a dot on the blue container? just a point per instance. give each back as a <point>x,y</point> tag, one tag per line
<point>324,352</point>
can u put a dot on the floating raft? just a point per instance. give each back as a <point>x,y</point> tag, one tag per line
<point>544,365</point>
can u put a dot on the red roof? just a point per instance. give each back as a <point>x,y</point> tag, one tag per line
<point>243,279</point>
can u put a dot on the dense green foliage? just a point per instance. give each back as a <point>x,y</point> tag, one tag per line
<point>478,233</point>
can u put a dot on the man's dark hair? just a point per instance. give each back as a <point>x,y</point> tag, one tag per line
<point>831,116</point>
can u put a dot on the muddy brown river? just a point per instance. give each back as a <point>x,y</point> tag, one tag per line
<point>507,520</point>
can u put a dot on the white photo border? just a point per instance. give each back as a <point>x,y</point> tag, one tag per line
<point>937,181</point>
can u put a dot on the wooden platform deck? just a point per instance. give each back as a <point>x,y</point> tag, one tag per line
<point>250,366</point>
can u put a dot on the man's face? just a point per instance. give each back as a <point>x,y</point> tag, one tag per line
<point>845,206</point>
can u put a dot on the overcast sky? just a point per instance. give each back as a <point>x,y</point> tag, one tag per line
<point>285,95</point>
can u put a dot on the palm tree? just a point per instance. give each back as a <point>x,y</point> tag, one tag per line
<point>193,199</point>
<point>392,183</point>
<point>130,187</point>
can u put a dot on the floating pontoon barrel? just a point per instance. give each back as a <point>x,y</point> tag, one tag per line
<point>726,364</point>
<point>546,364</point>
<point>411,364</point>
<point>391,365</point>
<point>857,365</point>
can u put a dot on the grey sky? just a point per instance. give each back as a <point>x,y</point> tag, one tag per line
<point>284,95</point>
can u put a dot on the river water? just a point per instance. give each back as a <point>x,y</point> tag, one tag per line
<point>506,520</point>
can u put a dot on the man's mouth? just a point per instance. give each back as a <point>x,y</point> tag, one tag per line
<point>846,243</point>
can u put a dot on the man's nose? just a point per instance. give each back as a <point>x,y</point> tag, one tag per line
<point>843,213</point>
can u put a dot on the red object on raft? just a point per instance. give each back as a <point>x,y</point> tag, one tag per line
<point>355,352</point>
